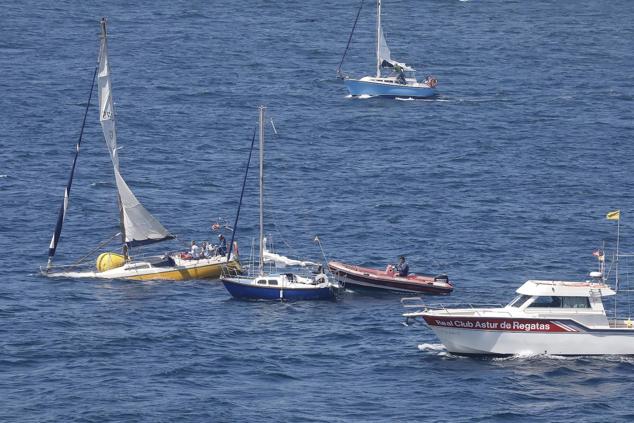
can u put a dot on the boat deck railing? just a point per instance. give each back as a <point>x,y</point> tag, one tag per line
<point>417,302</point>
<point>251,269</point>
<point>232,272</point>
<point>621,324</point>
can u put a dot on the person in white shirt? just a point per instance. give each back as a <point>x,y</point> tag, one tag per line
<point>195,250</point>
<point>211,250</point>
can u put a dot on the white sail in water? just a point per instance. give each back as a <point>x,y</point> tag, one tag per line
<point>139,226</point>
<point>385,56</point>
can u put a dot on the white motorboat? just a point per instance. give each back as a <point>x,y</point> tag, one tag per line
<point>547,317</point>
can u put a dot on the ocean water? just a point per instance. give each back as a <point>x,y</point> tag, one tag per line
<point>505,176</point>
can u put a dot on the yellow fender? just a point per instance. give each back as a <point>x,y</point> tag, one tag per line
<point>108,261</point>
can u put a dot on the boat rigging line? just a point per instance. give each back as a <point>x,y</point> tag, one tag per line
<point>64,206</point>
<point>244,183</point>
<point>339,73</point>
<point>323,254</point>
<point>272,213</point>
<point>97,248</point>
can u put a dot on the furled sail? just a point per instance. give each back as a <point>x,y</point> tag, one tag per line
<point>384,50</point>
<point>385,54</point>
<point>139,227</point>
<point>61,215</point>
<point>283,261</point>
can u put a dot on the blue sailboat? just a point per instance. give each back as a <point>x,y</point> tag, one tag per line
<point>287,286</point>
<point>280,287</point>
<point>392,79</point>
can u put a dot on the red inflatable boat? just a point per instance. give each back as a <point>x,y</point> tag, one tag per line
<point>388,279</point>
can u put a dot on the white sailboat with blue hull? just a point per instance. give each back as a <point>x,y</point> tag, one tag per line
<point>285,286</point>
<point>392,79</point>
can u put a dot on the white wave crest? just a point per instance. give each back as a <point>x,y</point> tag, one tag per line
<point>431,347</point>
<point>523,356</point>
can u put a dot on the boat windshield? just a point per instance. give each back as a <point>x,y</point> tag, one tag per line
<point>519,301</point>
<point>561,302</point>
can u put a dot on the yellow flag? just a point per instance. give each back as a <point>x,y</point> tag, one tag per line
<point>613,215</point>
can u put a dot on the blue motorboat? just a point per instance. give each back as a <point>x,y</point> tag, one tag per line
<point>393,79</point>
<point>261,285</point>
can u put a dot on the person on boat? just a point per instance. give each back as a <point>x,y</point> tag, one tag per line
<point>431,81</point>
<point>195,250</point>
<point>402,267</point>
<point>204,250</point>
<point>400,75</point>
<point>222,245</point>
<point>320,276</point>
<point>126,254</point>
<point>167,260</point>
<point>210,250</point>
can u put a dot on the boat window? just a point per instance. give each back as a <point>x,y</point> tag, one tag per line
<point>261,282</point>
<point>519,301</point>
<point>561,302</point>
<point>576,302</point>
<point>549,302</point>
<point>272,282</point>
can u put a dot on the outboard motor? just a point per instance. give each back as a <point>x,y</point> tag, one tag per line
<point>441,279</point>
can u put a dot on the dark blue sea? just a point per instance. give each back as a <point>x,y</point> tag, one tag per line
<point>505,176</point>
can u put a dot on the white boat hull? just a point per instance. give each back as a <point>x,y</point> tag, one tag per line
<point>574,339</point>
<point>387,87</point>
<point>210,268</point>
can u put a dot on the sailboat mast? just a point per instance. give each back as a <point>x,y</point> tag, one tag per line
<point>378,38</point>
<point>261,264</point>
<point>138,226</point>
<point>106,117</point>
<point>618,240</point>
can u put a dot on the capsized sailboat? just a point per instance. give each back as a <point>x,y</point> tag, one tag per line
<point>287,286</point>
<point>400,79</point>
<point>137,226</point>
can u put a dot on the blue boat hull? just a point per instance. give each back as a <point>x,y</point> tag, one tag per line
<point>358,88</point>
<point>247,291</point>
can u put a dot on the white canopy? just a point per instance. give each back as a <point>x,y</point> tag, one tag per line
<point>563,289</point>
